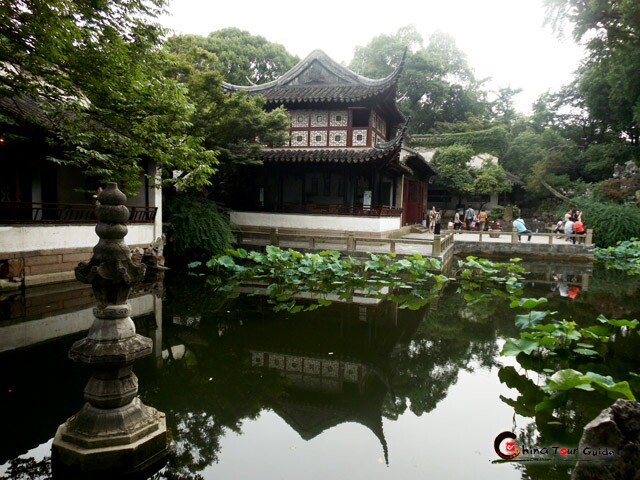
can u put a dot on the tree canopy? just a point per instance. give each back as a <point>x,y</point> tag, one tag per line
<point>609,81</point>
<point>234,125</point>
<point>454,173</point>
<point>95,74</point>
<point>245,59</point>
<point>437,84</point>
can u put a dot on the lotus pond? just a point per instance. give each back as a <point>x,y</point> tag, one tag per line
<point>353,389</point>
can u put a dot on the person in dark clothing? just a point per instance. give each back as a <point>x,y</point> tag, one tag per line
<point>468,217</point>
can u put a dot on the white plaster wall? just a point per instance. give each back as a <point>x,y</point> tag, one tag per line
<point>25,238</point>
<point>315,222</point>
<point>20,335</point>
<point>155,195</point>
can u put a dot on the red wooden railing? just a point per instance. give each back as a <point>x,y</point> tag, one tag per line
<point>60,213</point>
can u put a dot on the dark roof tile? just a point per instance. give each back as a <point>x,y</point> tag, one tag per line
<point>318,79</point>
<point>324,155</point>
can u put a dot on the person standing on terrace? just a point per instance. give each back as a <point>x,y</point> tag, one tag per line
<point>482,217</point>
<point>468,217</point>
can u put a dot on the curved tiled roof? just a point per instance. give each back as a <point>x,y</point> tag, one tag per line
<point>321,93</point>
<point>318,78</point>
<point>324,155</point>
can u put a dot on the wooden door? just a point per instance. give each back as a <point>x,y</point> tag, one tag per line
<point>412,202</point>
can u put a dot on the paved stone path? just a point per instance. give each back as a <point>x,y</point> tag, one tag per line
<point>504,237</point>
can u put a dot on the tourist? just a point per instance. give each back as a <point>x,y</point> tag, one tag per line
<point>482,218</point>
<point>568,230</point>
<point>468,217</point>
<point>436,222</point>
<point>521,227</point>
<point>432,219</point>
<point>578,228</point>
<point>457,222</point>
<point>568,215</point>
<point>559,228</point>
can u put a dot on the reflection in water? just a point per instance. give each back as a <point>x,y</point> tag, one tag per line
<point>344,364</point>
<point>40,386</point>
<point>221,365</point>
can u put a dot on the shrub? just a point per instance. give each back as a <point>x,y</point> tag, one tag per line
<point>496,213</point>
<point>611,222</point>
<point>199,227</point>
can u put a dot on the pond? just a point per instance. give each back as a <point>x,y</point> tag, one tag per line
<point>353,390</point>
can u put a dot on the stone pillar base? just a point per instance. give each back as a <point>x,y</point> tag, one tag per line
<point>72,461</point>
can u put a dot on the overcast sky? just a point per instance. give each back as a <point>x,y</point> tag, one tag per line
<point>503,39</point>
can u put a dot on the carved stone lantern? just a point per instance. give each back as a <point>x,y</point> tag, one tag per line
<point>114,431</point>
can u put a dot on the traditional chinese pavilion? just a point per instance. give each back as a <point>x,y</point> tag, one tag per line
<point>344,166</point>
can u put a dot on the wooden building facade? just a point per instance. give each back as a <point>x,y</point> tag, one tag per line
<point>344,156</point>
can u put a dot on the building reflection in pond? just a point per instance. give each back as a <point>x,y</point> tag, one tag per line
<point>346,363</point>
<point>220,363</point>
<point>327,384</point>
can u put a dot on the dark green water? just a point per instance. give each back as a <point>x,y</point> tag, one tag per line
<point>362,390</point>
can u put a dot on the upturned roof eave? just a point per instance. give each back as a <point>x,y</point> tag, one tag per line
<point>352,78</point>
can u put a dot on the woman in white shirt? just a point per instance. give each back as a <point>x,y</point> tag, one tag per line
<point>568,230</point>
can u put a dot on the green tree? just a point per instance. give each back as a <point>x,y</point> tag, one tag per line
<point>437,85</point>
<point>600,159</point>
<point>609,81</point>
<point>454,173</point>
<point>236,126</point>
<point>565,112</point>
<point>198,228</point>
<point>503,106</point>
<point>384,53</point>
<point>245,59</point>
<point>490,179</point>
<point>524,152</point>
<point>94,71</point>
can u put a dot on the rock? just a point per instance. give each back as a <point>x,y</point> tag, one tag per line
<point>610,444</point>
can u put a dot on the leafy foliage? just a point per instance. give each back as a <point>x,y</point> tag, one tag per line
<point>412,281</point>
<point>199,227</point>
<point>28,469</point>
<point>481,279</point>
<point>624,256</point>
<point>437,85</point>
<point>492,140</point>
<point>459,177</point>
<point>608,80</point>
<point>245,59</point>
<point>564,343</point>
<point>90,75</point>
<point>600,159</point>
<point>454,174</point>
<point>491,179</point>
<point>611,222</point>
<point>235,126</point>
<point>286,274</point>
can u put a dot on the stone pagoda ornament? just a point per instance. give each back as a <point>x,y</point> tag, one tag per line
<point>114,431</point>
